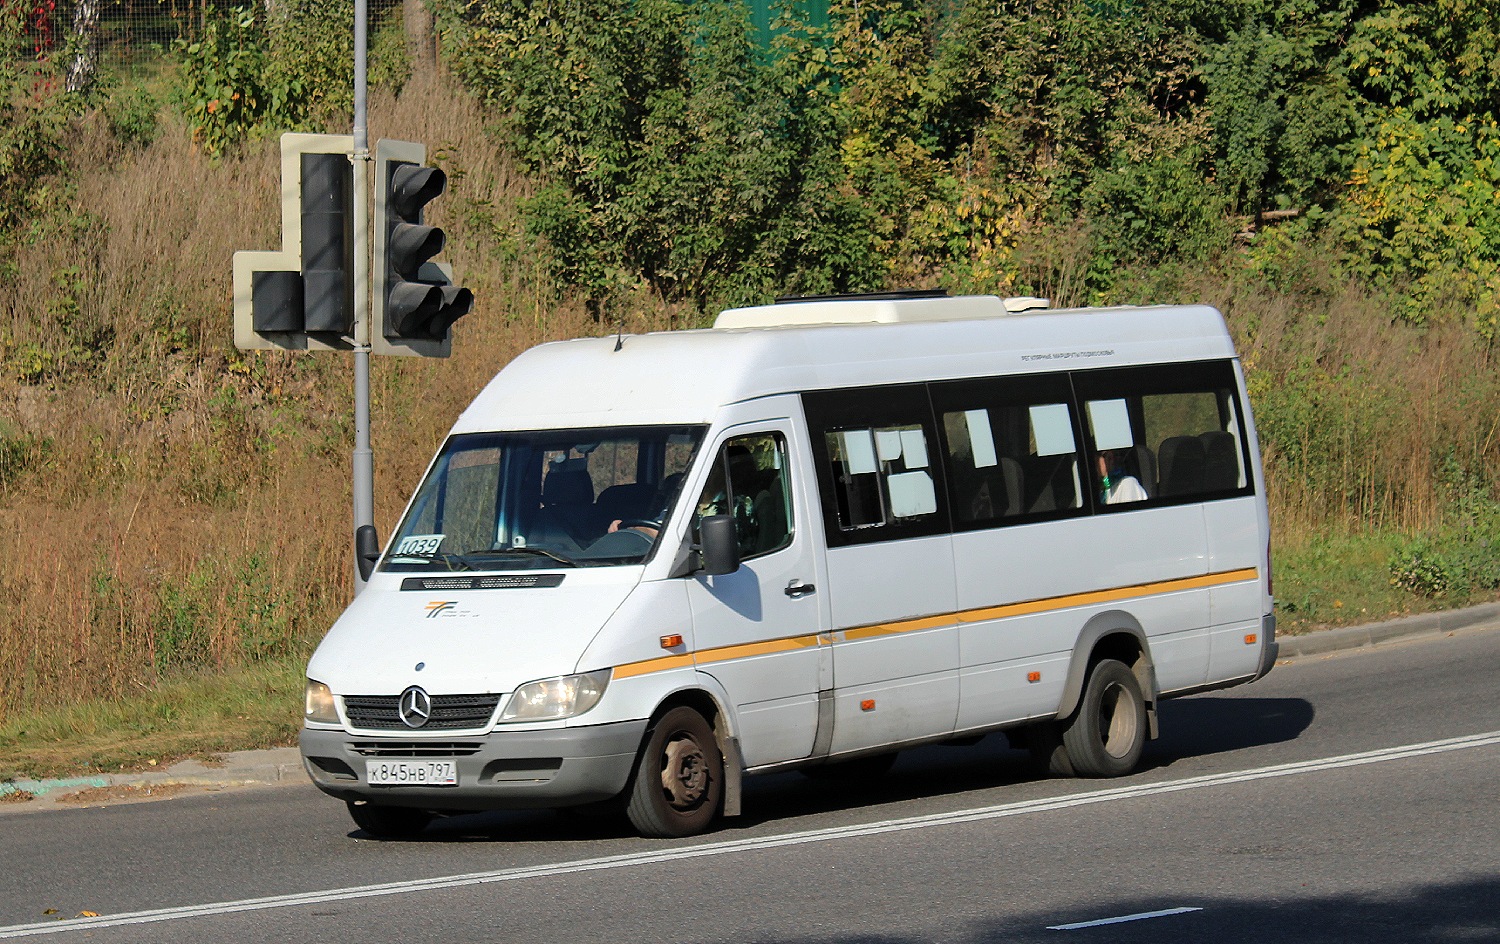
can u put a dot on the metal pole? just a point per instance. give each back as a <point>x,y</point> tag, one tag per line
<point>364,457</point>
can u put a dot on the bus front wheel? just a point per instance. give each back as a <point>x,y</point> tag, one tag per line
<point>679,779</point>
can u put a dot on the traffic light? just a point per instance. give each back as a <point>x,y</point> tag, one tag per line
<point>327,244</point>
<point>414,300</point>
<point>302,298</point>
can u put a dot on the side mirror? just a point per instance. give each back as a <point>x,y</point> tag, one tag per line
<point>366,550</point>
<point>720,548</point>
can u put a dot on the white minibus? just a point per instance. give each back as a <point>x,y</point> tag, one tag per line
<point>641,568</point>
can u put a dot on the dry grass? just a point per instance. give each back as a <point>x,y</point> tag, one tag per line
<point>126,793</point>
<point>1364,420</point>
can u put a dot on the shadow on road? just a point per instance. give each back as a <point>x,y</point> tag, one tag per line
<point>1448,912</point>
<point>1206,725</point>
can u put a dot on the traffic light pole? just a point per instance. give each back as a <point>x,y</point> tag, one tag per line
<point>364,456</point>
<point>344,282</point>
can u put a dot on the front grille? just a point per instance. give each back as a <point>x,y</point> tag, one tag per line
<point>414,748</point>
<point>449,712</point>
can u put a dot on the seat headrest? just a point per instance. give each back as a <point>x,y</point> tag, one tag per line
<point>567,487</point>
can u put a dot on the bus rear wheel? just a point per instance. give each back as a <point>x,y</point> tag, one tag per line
<point>679,779</point>
<point>1107,734</point>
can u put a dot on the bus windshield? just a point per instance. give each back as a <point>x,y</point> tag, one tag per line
<point>544,499</point>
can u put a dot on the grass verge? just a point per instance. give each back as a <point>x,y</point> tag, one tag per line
<point>198,716</point>
<point>1330,579</point>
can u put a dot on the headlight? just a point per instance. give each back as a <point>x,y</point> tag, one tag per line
<point>320,706</point>
<point>556,698</point>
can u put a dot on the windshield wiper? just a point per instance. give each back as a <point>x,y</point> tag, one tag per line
<point>532,551</point>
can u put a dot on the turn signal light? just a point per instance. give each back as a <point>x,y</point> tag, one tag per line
<point>672,641</point>
<point>1033,676</point>
<point>1251,639</point>
<point>867,705</point>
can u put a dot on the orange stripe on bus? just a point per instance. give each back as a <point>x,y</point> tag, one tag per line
<point>652,665</point>
<point>875,630</point>
<point>1106,596</point>
<point>902,626</point>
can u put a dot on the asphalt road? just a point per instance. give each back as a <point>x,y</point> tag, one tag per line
<point>1348,797</point>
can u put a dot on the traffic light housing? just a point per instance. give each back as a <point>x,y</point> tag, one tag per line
<point>414,300</point>
<point>301,297</point>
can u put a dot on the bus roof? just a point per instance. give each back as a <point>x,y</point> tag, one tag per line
<point>686,377</point>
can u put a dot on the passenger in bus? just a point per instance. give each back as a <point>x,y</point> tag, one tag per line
<point>1116,486</point>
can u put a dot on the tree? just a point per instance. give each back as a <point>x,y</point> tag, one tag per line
<point>84,65</point>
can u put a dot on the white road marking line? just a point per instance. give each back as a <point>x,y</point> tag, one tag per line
<point>1121,919</point>
<point>632,859</point>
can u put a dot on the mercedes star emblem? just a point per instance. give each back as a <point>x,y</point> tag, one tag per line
<point>416,707</point>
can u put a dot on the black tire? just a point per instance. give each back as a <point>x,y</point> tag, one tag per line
<point>388,822</point>
<point>1107,733</point>
<point>679,780</point>
<point>852,771</point>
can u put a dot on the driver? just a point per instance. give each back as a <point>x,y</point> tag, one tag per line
<point>649,527</point>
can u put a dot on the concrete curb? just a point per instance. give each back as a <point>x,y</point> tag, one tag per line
<point>237,769</point>
<point>1375,634</point>
<point>39,787</point>
<point>284,764</point>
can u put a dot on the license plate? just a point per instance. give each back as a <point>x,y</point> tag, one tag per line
<point>411,773</point>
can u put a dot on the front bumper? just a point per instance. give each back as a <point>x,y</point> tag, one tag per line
<point>503,770</point>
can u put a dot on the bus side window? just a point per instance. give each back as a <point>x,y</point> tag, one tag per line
<point>881,475</point>
<point>879,465</point>
<point>1174,427</point>
<point>1009,448</point>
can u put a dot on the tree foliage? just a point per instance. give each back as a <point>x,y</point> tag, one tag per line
<point>924,142</point>
<point>273,68</point>
<point>1421,212</point>
<point>676,155</point>
<point>33,116</point>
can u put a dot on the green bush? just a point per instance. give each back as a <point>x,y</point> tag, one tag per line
<point>677,155</point>
<point>33,124</point>
<point>1162,210</point>
<point>1453,565</point>
<point>132,115</point>
<point>224,90</point>
<point>246,73</point>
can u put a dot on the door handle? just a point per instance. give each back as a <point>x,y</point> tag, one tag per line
<point>797,589</point>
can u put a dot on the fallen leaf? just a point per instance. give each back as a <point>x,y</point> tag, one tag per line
<point>88,914</point>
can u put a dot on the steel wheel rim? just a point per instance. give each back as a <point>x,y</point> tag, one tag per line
<point>684,774</point>
<point>1117,722</point>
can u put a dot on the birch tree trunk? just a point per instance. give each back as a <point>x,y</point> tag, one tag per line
<point>85,64</point>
